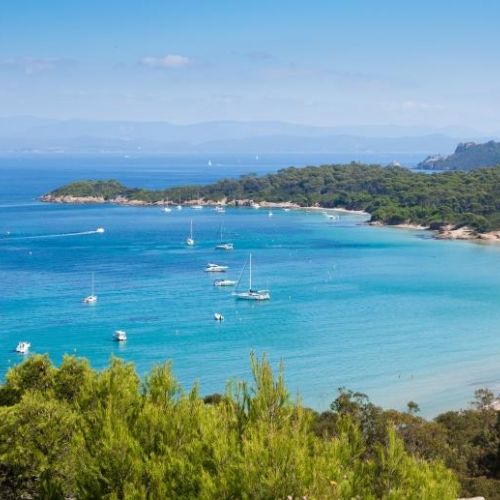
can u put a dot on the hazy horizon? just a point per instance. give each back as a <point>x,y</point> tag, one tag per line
<point>343,64</point>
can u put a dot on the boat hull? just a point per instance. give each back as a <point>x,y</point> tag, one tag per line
<point>256,296</point>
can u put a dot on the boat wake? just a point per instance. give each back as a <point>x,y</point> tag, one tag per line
<point>99,230</point>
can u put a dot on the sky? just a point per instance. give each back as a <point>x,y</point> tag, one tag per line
<point>316,62</point>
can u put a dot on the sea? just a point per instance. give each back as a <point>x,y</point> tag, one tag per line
<point>388,312</point>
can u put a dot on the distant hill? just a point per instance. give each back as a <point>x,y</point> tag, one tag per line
<point>467,156</point>
<point>39,135</point>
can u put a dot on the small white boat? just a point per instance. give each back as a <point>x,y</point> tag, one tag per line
<point>179,207</point>
<point>209,163</point>
<point>197,207</point>
<point>23,347</point>
<point>190,239</point>
<point>223,245</point>
<point>99,230</point>
<point>286,209</point>
<point>167,209</point>
<point>255,205</point>
<point>270,213</point>
<point>215,268</point>
<point>218,317</point>
<point>219,209</point>
<point>120,336</point>
<point>92,298</point>
<point>224,283</point>
<point>252,294</point>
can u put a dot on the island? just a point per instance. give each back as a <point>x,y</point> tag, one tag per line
<point>467,156</point>
<point>456,205</point>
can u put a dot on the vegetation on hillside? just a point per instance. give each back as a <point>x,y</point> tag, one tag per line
<point>72,432</point>
<point>392,195</point>
<point>467,156</point>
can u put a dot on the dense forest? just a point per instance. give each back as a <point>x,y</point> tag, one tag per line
<point>73,432</point>
<point>392,195</point>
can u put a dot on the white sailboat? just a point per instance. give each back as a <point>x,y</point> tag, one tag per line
<point>166,208</point>
<point>190,239</point>
<point>252,294</point>
<point>92,298</point>
<point>223,245</point>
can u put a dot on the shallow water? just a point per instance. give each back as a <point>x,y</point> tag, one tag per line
<point>388,312</point>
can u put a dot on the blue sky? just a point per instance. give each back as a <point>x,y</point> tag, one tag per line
<point>332,62</point>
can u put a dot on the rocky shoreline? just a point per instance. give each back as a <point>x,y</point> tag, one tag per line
<point>448,232</point>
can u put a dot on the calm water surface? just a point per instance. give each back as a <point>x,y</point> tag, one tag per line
<point>388,312</point>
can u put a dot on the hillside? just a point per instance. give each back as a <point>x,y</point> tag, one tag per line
<point>392,195</point>
<point>467,156</point>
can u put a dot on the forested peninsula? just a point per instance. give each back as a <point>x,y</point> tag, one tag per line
<point>463,205</point>
<point>75,432</point>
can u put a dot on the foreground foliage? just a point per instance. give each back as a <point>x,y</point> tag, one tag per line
<point>392,195</point>
<point>75,432</point>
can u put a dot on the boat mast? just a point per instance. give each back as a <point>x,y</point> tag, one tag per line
<point>250,267</point>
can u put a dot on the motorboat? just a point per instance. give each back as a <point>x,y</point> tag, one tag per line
<point>215,268</point>
<point>224,283</point>
<point>218,317</point>
<point>120,336</point>
<point>99,230</point>
<point>23,347</point>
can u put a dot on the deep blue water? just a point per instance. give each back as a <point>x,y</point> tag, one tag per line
<point>388,312</point>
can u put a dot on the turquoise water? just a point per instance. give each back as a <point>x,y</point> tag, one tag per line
<point>385,311</point>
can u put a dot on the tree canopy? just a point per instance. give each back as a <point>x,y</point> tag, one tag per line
<point>73,432</point>
<point>392,195</point>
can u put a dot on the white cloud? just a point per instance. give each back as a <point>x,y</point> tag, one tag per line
<point>169,61</point>
<point>32,65</point>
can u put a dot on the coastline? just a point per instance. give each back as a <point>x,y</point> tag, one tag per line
<point>447,232</point>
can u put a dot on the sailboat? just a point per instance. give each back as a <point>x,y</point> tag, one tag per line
<point>92,298</point>
<point>223,245</point>
<point>252,294</point>
<point>166,208</point>
<point>189,239</point>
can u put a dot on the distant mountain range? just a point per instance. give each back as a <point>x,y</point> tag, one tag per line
<point>40,135</point>
<point>467,156</point>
